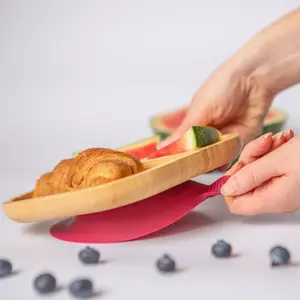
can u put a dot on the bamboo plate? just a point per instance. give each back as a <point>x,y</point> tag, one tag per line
<point>160,174</point>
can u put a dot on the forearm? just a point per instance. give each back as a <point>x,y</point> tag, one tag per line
<point>273,55</point>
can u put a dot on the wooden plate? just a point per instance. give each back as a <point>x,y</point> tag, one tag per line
<point>160,174</point>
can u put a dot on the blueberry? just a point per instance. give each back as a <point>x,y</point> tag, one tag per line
<point>279,256</point>
<point>81,288</point>
<point>5,268</point>
<point>166,264</point>
<point>45,283</point>
<point>89,256</point>
<point>221,249</point>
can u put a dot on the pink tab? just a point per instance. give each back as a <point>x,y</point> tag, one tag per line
<point>139,219</point>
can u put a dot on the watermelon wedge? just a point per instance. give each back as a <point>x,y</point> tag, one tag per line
<point>164,124</point>
<point>141,149</point>
<point>196,137</point>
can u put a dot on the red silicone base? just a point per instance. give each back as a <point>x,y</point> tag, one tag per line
<point>132,221</point>
<point>139,219</point>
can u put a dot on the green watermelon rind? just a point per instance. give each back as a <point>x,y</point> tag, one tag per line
<point>276,124</point>
<point>273,125</point>
<point>205,136</point>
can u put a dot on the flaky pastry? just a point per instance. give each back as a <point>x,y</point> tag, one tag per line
<point>89,168</point>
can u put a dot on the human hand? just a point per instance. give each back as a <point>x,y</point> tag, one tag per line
<point>239,93</point>
<point>229,101</point>
<point>266,179</point>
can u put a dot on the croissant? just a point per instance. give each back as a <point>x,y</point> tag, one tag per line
<point>91,167</point>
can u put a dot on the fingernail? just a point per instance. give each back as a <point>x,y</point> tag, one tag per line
<point>265,136</point>
<point>288,133</point>
<point>160,145</point>
<point>279,135</point>
<point>230,187</point>
<point>166,142</point>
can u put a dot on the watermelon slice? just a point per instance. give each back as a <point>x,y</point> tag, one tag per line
<point>196,137</point>
<point>141,149</point>
<point>275,121</point>
<point>164,124</point>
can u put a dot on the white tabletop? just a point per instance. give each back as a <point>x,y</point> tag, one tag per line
<point>129,271</point>
<point>78,74</point>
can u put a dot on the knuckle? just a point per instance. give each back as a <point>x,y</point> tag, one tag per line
<point>246,180</point>
<point>251,178</point>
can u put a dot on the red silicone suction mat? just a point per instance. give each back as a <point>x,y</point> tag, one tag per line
<point>139,219</point>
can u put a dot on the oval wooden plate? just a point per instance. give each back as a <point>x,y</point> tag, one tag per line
<point>160,174</point>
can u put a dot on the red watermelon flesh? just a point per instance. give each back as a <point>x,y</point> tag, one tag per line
<point>174,119</point>
<point>141,149</point>
<point>174,148</point>
<point>270,115</point>
<point>142,152</point>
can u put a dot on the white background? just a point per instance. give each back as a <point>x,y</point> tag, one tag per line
<point>78,74</point>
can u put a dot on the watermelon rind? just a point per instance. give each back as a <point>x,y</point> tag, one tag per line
<point>158,128</point>
<point>201,136</point>
<point>277,123</point>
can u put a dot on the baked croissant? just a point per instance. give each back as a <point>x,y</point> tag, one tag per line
<point>89,168</point>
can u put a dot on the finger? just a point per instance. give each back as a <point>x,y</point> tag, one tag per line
<point>281,138</point>
<point>261,147</point>
<point>179,131</point>
<point>288,134</point>
<point>256,148</point>
<point>267,198</point>
<point>253,175</point>
<point>252,151</point>
<point>278,140</point>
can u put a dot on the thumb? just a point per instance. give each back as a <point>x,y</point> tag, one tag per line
<point>253,175</point>
<point>267,198</point>
<point>188,121</point>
